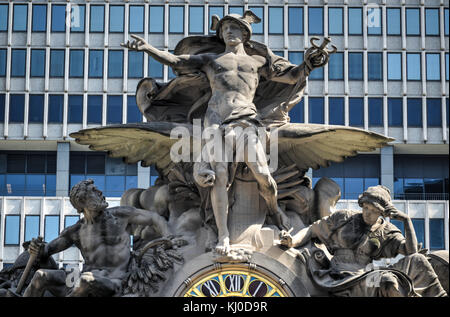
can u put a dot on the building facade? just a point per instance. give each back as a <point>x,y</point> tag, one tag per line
<point>62,69</point>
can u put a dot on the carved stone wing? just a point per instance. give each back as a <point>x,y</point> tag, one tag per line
<point>147,142</point>
<point>314,145</point>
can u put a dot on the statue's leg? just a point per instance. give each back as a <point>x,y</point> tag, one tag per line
<point>219,202</point>
<point>97,286</point>
<point>257,163</point>
<point>425,280</point>
<point>43,280</point>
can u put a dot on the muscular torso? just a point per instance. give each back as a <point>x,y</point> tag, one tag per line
<point>105,244</point>
<point>234,79</point>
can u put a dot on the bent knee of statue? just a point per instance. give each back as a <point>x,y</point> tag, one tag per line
<point>389,286</point>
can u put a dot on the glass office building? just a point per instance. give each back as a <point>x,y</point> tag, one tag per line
<point>62,69</point>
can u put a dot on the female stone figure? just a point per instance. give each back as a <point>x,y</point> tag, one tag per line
<point>355,239</point>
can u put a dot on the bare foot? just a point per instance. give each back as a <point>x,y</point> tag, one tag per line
<point>223,246</point>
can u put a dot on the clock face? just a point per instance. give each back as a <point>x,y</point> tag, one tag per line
<point>235,282</point>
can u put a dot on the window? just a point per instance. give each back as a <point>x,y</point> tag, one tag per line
<point>176,19</point>
<point>18,62</point>
<point>39,23</point>
<point>413,66</point>
<point>76,63</point>
<point>375,66</point>
<point>16,108</point>
<point>297,114</point>
<point>336,110</point>
<point>12,229</point>
<point>97,23</point>
<point>156,24</point>
<point>353,175</point>
<point>316,110</point>
<point>355,66</point>
<point>316,74</point>
<point>95,106</point>
<point>432,21</point>
<point>356,112</point>
<point>419,228</point>
<point>236,10</point>
<point>75,109</point>
<point>37,63</point>
<point>421,177</point>
<point>55,108</point>
<point>114,109</point>
<point>434,112</point>
<point>394,66</point>
<point>57,63</point>
<point>354,21</point>
<point>51,227</point>
<point>395,112</point>
<point>446,21</point>
<point>315,20</point>
<point>433,66</point>
<point>196,19</point>
<point>133,113</point>
<point>77,18</point>
<point>20,18</point>
<point>446,66</point>
<point>374,21</point>
<point>58,18</point>
<point>412,21</point>
<point>155,68</point>
<point>414,112</point>
<point>116,19</point>
<point>336,66</point>
<point>376,112</point>
<point>393,21</point>
<point>296,57</point>
<point>214,10</point>
<point>95,63</point>
<point>2,62</point>
<point>3,17</point>
<point>36,109</point>
<point>115,64</point>
<point>437,234</point>
<point>110,175</point>
<point>335,21</point>
<point>135,64</point>
<point>276,20</point>
<point>295,15</point>
<point>70,220</point>
<point>258,28</point>
<point>2,108</point>
<point>136,19</point>
<point>32,224</point>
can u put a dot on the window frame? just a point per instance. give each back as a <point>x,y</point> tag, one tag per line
<point>90,18</point>
<point>4,233</point>
<point>342,20</point>
<point>282,20</point>
<point>400,22</point>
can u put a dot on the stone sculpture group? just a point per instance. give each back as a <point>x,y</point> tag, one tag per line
<point>215,224</point>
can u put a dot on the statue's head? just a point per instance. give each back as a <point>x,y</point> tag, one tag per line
<point>243,23</point>
<point>375,202</point>
<point>87,199</point>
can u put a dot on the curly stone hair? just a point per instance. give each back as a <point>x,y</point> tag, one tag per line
<point>78,194</point>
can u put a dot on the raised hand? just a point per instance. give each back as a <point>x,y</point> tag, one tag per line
<point>139,44</point>
<point>286,238</point>
<point>36,246</point>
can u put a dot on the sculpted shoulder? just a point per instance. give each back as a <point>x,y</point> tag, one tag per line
<point>260,59</point>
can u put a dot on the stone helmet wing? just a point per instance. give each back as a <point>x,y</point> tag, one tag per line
<point>244,21</point>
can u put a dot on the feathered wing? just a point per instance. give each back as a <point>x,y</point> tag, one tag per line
<point>314,145</point>
<point>147,142</point>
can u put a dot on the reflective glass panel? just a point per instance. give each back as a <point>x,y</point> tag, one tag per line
<point>412,21</point>
<point>315,20</point>
<point>114,109</point>
<point>433,67</point>
<point>95,105</point>
<point>432,21</point>
<point>37,63</point>
<point>176,19</point>
<point>394,66</point>
<point>336,110</point>
<point>375,66</point>
<point>96,63</point>
<point>97,18</point>
<point>276,20</point>
<point>156,17</point>
<point>116,19</point>
<point>295,20</point>
<point>316,110</point>
<point>75,109</point>
<point>434,112</point>
<point>356,112</point>
<point>57,63</point>
<point>135,64</point>
<point>136,19</point>
<point>336,67</point>
<point>36,109</point>
<point>51,227</point>
<point>12,229</point>
<point>355,66</point>
<point>115,64</point>
<point>39,23</point>
<point>335,21</point>
<point>395,112</point>
<point>376,112</point>
<point>76,65</point>
<point>196,19</point>
<point>58,18</point>
<point>20,17</point>
<point>77,18</point>
<point>18,62</point>
<point>31,227</point>
<point>354,21</point>
<point>413,66</point>
<point>393,21</point>
<point>414,112</point>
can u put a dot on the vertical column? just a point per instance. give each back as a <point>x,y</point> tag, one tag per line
<point>143,176</point>
<point>387,167</point>
<point>62,168</point>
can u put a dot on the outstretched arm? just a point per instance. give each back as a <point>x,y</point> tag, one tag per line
<point>302,237</point>
<point>64,241</point>
<point>294,75</point>
<point>139,44</point>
